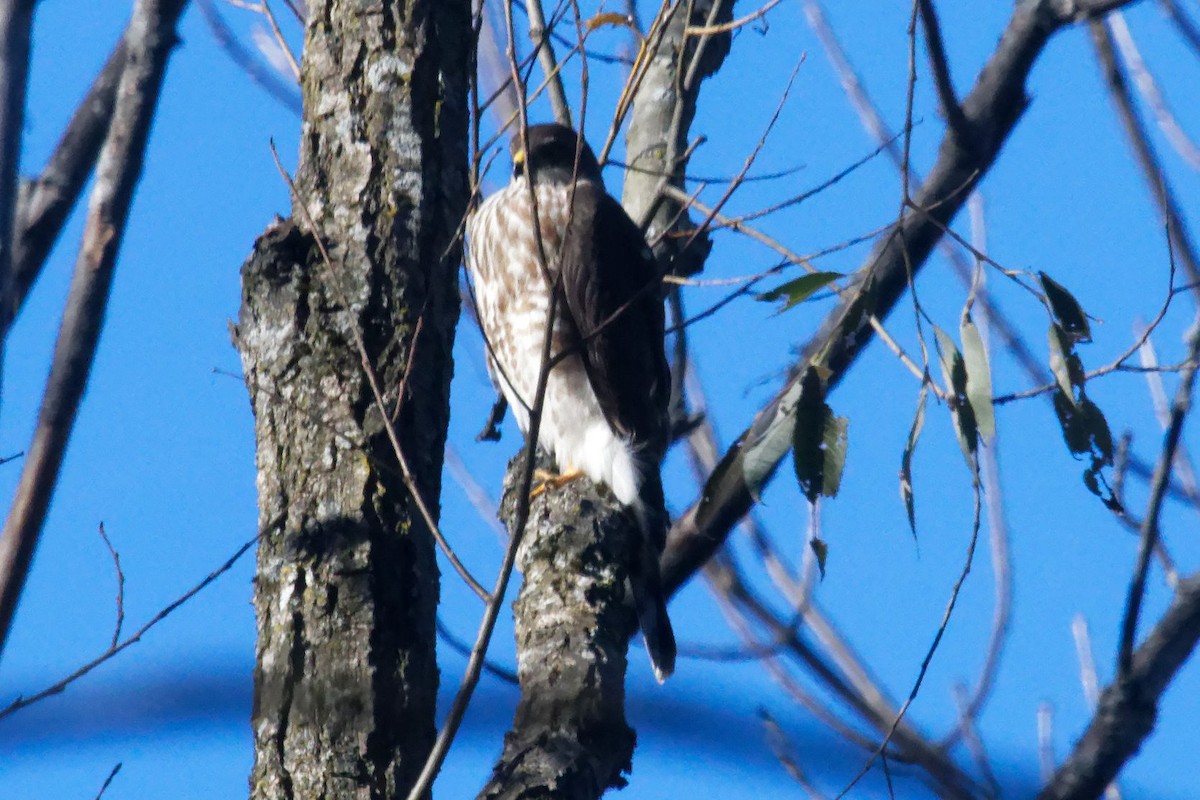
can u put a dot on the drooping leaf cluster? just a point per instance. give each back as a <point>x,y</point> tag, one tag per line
<point>1084,427</point>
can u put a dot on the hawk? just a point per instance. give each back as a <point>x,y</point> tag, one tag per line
<point>605,408</point>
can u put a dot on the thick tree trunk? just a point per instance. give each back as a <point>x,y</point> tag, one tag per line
<point>347,582</point>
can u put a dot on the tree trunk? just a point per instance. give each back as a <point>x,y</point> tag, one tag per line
<point>569,739</point>
<point>347,584</point>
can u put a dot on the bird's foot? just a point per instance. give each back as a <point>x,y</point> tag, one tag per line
<point>547,480</point>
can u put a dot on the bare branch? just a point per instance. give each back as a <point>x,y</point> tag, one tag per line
<point>1158,487</point>
<point>1129,705</point>
<point>940,65</point>
<point>1143,150</point>
<point>992,109</point>
<point>149,40</point>
<point>48,199</point>
<point>659,130</point>
<point>283,93</point>
<point>16,23</point>
<point>1148,87</point>
<point>540,36</point>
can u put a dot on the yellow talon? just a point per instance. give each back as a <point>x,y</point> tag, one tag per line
<point>547,480</point>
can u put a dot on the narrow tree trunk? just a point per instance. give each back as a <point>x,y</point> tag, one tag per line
<point>347,583</point>
<point>574,617</point>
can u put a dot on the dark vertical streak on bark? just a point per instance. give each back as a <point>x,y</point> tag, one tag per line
<point>347,587</point>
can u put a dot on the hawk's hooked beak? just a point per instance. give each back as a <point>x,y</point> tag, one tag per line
<point>518,160</point>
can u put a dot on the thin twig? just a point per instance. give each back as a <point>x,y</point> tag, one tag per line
<point>1150,529</point>
<point>1148,87</point>
<point>1045,739</point>
<point>782,748</point>
<point>59,686</point>
<point>16,25</point>
<point>989,474</point>
<point>544,48</point>
<point>48,199</point>
<point>1088,680</point>
<point>462,698</point>
<point>940,66</point>
<point>1152,170</point>
<point>283,93</point>
<point>108,781</point>
<point>116,559</point>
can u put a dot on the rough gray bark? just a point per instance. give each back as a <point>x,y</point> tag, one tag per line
<point>573,622</point>
<point>347,584</point>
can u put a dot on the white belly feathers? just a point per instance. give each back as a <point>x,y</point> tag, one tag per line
<point>512,297</point>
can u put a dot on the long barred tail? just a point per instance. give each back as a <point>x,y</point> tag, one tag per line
<point>644,578</point>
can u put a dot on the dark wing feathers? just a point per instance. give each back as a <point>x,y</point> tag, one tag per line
<point>612,289</point>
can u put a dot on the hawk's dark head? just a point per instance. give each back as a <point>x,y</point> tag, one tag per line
<point>550,157</point>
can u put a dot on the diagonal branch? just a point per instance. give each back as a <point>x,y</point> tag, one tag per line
<point>47,200</point>
<point>1128,706</point>
<point>992,110</point>
<point>149,40</point>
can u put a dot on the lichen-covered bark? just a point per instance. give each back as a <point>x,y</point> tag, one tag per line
<point>663,110</point>
<point>569,739</point>
<point>347,585</point>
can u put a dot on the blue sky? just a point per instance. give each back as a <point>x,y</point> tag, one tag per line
<point>163,448</point>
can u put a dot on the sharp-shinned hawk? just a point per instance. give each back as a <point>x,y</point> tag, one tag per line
<point>605,407</point>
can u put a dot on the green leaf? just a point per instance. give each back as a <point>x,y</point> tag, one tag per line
<point>914,433</point>
<point>1064,363</point>
<point>819,440</point>
<point>820,550</point>
<point>955,372</point>
<point>1066,310</point>
<point>835,437</point>
<point>979,376</point>
<point>767,442</point>
<point>798,290</point>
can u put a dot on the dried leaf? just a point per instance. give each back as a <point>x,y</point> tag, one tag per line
<point>820,550</point>
<point>1066,310</point>
<point>914,433</point>
<point>610,18</point>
